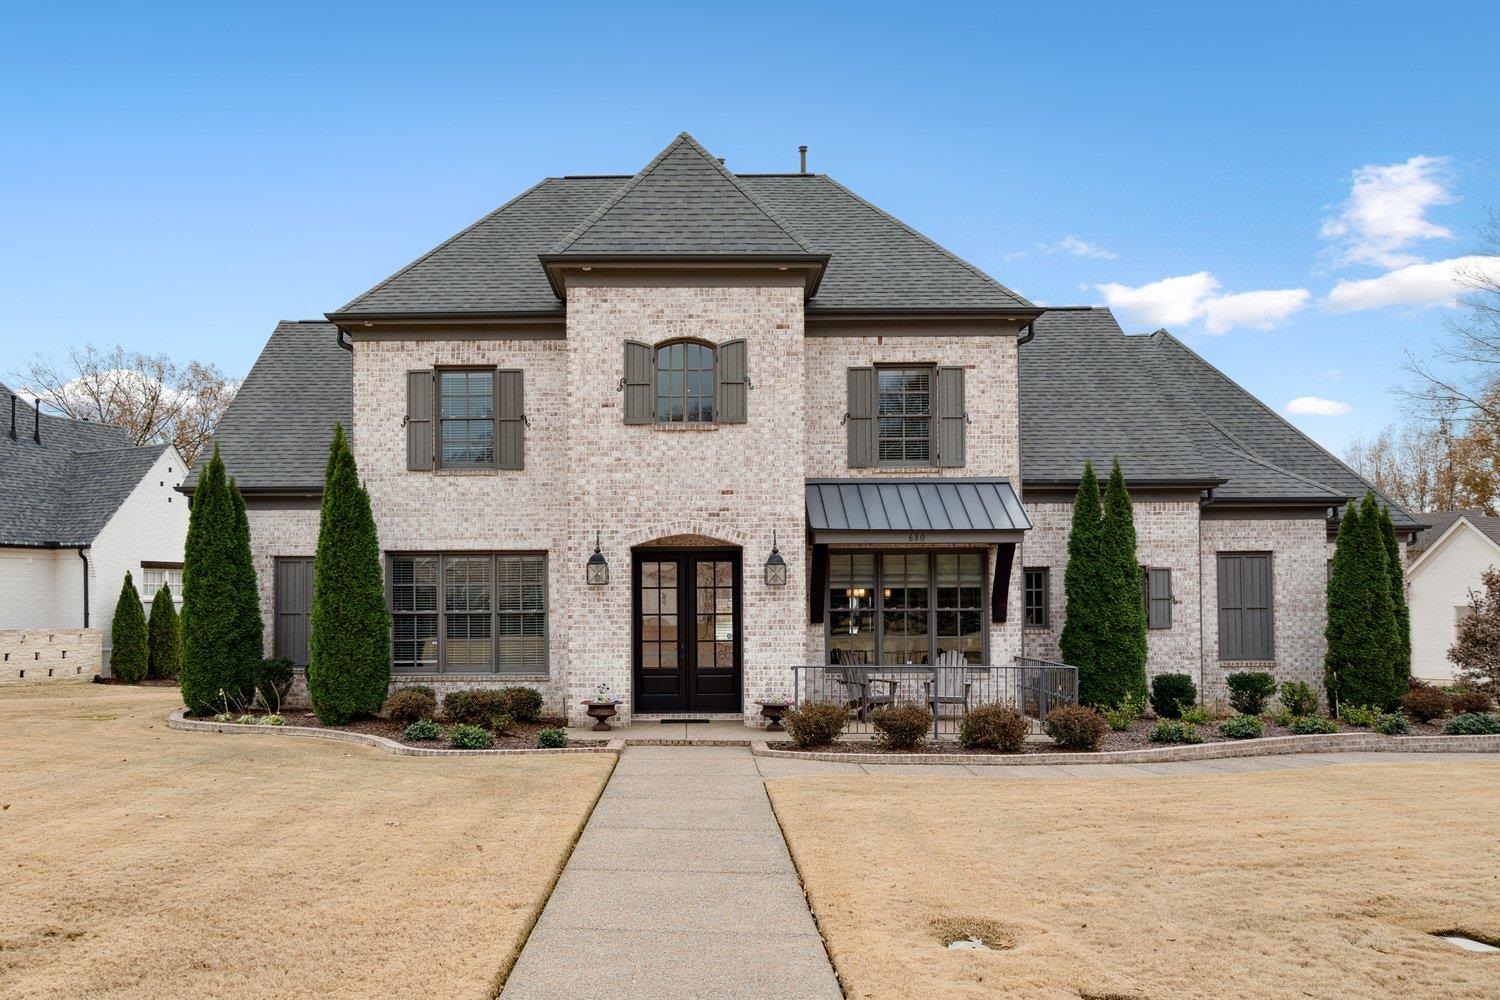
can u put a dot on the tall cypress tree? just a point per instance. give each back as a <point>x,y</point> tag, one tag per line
<point>1083,585</point>
<point>128,652</point>
<point>163,637</point>
<point>1396,571</point>
<point>349,667</point>
<point>212,670</point>
<point>251,630</point>
<point>1121,666</point>
<point>1361,632</point>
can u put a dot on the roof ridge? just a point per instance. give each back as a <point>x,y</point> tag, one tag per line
<point>441,246</point>
<point>683,138</point>
<point>929,241</point>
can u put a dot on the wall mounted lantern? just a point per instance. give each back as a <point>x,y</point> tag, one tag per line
<point>597,569</point>
<point>775,566</point>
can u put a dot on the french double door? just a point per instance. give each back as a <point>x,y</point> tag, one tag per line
<point>686,624</point>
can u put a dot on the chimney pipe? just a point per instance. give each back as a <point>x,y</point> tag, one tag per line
<point>37,431</point>
<point>802,151</point>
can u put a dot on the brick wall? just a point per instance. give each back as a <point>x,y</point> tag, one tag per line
<point>38,656</point>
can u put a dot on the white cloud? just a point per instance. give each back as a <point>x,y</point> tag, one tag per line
<point>1387,212</point>
<point>1439,283</point>
<point>1313,406</point>
<point>1189,297</point>
<point>1078,248</point>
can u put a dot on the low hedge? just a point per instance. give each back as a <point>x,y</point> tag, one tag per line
<point>902,727</point>
<point>1473,724</point>
<point>815,724</point>
<point>1170,692</point>
<point>1075,727</point>
<point>994,727</point>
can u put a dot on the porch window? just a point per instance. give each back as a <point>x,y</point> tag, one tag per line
<point>468,613</point>
<point>906,607</point>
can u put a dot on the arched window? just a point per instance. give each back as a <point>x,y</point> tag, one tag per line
<point>685,379</point>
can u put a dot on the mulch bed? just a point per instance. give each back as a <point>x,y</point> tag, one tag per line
<point>152,682</point>
<point>523,737</point>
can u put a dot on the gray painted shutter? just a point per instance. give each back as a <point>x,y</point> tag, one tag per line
<point>510,420</point>
<point>859,421</point>
<point>732,404</point>
<point>1258,606</point>
<point>639,392</point>
<point>294,587</point>
<point>419,420</point>
<point>1245,614</point>
<point>951,417</point>
<point>1158,598</point>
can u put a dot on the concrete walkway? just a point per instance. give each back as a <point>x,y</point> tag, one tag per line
<point>681,886</point>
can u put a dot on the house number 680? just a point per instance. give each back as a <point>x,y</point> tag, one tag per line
<point>917,536</point>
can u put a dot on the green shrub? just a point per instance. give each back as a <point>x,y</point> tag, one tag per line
<point>1249,690</point>
<point>1473,724</point>
<point>408,706</point>
<point>1124,715</point>
<point>1298,698</point>
<point>272,720</point>
<point>1075,727</point>
<point>1281,715</point>
<point>1360,715</point>
<point>273,679</point>
<point>522,703</point>
<point>1313,725</point>
<point>129,653</point>
<point>815,724</point>
<point>247,720</point>
<point>1241,727</point>
<point>475,706</point>
<point>1392,724</point>
<point>349,664</point>
<point>500,723</point>
<point>163,637</point>
<point>1175,731</point>
<point>1425,703</point>
<point>552,739</point>
<point>426,689</point>
<point>901,727</point>
<point>1169,692</point>
<point>464,737</point>
<point>1197,715</point>
<point>1471,702</point>
<point>1362,662</point>
<point>994,727</point>
<point>421,730</point>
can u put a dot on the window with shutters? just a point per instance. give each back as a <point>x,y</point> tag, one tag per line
<point>684,381</point>
<point>466,418</point>
<point>469,613</point>
<point>1037,603</point>
<point>685,376</point>
<point>903,424</point>
<point>1246,615</point>
<point>1156,595</point>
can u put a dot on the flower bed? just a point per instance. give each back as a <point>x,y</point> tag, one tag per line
<point>383,732</point>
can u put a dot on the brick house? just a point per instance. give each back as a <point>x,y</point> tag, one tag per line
<point>689,370</point>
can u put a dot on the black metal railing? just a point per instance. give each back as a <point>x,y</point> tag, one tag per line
<point>1032,687</point>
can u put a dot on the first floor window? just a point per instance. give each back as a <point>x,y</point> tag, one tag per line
<point>153,576</point>
<point>905,607</point>
<point>1035,586</point>
<point>469,613</point>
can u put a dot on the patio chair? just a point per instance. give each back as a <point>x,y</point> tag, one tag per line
<point>953,684</point>
<point>860,696</point>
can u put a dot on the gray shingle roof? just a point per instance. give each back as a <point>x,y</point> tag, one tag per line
<point>64,490</point>
<point>1089,391</point>
<point>877,262</point>
<point>1441,521</point>
<point>683,202</point>
<point>275,434</point>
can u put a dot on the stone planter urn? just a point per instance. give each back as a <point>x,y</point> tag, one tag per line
<point>601,712</point>
<point>772,711</point>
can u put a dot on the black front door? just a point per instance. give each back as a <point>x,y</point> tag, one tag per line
<point>686,630</point>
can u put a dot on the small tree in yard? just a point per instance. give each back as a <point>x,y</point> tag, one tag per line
<point>251,643</point>
<point>1120,671</point>
<point>1476,652</point>
<point>128,654</point>
<point>1079,643</point>
<point>1396,574</point>
<point>349,666</point>
<point>1361,657</point>
<point>163,637</point>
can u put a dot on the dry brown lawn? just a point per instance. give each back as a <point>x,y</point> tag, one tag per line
<point>140,862</point>
<point>1309,883</point>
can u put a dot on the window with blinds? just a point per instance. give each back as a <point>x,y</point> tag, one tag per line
<point>469,613</point>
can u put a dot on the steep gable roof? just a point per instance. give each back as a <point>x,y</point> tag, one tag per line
<point>1440,521</point>
<point>683,202</point>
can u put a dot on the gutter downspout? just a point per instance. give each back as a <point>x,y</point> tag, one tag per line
<point>83,553</point>
<point>1025,338</point>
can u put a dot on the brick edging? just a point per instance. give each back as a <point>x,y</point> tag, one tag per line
<point>1263,747</point>
<point>177,721</point>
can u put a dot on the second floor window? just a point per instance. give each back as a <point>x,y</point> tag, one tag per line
<point>466,414</point>
<point>685,376</point>
<point>904,415</point>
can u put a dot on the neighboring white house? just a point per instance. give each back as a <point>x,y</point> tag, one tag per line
<point>1445,563</point>
<point>80,505</point>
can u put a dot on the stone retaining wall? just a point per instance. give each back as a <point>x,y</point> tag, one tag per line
<point>42,655</point>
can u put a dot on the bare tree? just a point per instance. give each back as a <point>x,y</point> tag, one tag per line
<point>156,400</point>
<point>1427,467</point>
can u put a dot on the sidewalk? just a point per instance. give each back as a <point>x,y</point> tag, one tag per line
<point>681,886</point>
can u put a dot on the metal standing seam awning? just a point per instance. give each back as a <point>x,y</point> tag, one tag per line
<point>885,511</point>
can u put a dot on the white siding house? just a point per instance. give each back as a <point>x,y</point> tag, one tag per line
<point>1452,557</point>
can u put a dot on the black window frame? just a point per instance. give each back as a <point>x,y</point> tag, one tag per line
<point>440,666</point>
<point>1043,616</point>
<point>712,372</point>
<point>933,609</point>
<point>438,420</point>
<point>930,369</point>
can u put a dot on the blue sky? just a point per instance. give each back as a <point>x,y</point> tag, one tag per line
<point>1283,185</point>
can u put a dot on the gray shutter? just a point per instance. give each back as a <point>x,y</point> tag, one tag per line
<point>860,419</point>
<point>639,391</point>
<point>294,592</point>
<point>419,420</point>
<point>510,420</point>
<point>732,404</point>
<point>1246,625</point>
<point>1158,598</point>
<point>951,417</point>
<point>1258,628</point>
